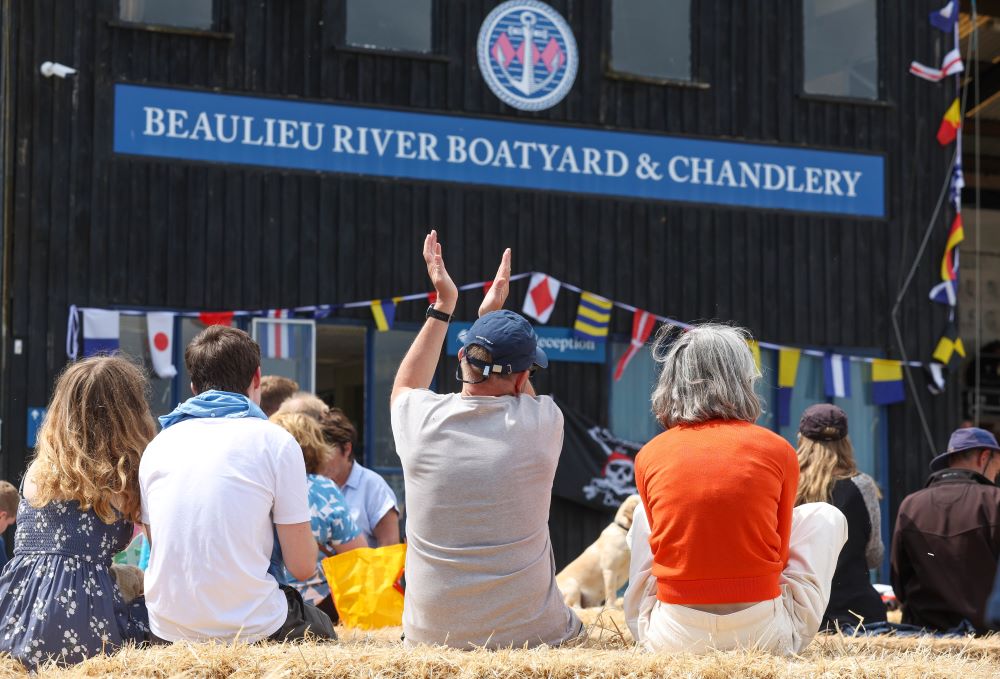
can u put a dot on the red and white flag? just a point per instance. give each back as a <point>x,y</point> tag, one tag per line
<point>276,341</point>
<point>951,65</point>
<point>541,297</point>
<point>160,332</point>
<point>643,323</point>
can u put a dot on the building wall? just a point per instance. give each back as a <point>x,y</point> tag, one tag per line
<point>91,228</point>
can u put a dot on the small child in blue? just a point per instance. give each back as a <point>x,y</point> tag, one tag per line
<point>58,600</point>
<point>330,518</point>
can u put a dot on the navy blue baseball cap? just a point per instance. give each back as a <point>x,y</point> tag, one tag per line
<point>509,338</point>
<point>967,438</point>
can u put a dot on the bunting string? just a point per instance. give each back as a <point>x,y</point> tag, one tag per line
<point>323,310</point>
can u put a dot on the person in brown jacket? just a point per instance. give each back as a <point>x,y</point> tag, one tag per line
<point>947,537</point>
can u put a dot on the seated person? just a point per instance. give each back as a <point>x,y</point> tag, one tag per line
<point>947,537</point>
<point>372,502</point>
<point>217,483</point>
<point>332,525</point>
<point>275,390</point>
<point>304,403</point>
<point>828,473</point>
<point>720,559</point>
<point>81,497</point>
<point>478,468</point>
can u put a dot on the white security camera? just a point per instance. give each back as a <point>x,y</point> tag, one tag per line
<point>51,68</point>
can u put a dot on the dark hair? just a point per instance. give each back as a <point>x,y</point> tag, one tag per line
<point>222,358</point>
<point>275,390</point>
<point>338,429</point>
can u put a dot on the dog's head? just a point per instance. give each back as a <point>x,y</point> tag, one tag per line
<point>625,511</point>
<point>129,580</point>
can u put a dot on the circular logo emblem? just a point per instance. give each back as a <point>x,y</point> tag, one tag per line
<point>527,54</point>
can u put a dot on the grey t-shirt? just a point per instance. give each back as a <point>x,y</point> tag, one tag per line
<point>478,473</point>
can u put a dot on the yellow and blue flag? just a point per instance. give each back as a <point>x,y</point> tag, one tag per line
<point>384,313</point>
<point>592,317</point>
<point>788,370</point>
<point>887,382</point>
<point>755,350</point>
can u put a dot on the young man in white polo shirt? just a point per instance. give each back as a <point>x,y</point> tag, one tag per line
<point>478,468</point>
<point>217,484</point>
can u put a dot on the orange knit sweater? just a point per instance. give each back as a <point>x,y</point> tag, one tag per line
<point>719,499</point>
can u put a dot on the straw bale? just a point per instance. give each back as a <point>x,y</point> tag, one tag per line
<point>607,653</point>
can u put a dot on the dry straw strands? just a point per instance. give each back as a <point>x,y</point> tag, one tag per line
<point>608,653</point>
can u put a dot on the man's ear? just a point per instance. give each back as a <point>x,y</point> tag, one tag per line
<point>520,381</point>
<point>348,448</point>
<point>194,392</point>
<point>255,382</point>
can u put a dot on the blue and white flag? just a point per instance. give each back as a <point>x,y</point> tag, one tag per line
<point>100,331</point>
<point>945,292</point>
<point>837,376</point>
<point>944,19</point>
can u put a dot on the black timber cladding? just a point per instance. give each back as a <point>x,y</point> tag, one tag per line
<point>91,228</point>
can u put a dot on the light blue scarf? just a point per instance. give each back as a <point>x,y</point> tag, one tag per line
<point>213,403</point>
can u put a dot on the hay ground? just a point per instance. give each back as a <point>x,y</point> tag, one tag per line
<point>608,653</point>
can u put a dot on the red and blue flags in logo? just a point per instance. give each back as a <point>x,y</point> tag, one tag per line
<point>276,341</point>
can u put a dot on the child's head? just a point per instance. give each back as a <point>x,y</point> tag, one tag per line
<point>275,390</point>
<point>9,498</point>
<point>89,445</point>
<point>309,436</point>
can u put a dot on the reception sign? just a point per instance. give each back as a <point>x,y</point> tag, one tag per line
<point>292,134</point>
<point>557,343</point>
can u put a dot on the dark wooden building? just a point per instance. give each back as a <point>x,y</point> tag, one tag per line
<point>86,224</point>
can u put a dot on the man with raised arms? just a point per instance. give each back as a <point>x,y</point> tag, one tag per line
<point>478,468</point>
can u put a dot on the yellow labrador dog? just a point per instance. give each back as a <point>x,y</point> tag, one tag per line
<point>594,577</point>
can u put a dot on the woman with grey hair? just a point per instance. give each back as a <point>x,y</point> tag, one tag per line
<point>720,559</point>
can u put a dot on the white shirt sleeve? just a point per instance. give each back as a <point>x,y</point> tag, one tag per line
<point>291,490</point>
<point>143,508</point>
<point>379,498</point>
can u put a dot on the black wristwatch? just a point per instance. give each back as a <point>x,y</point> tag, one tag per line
<point>439,315</point>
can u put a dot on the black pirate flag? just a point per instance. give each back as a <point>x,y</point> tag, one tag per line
<point>596,468</point>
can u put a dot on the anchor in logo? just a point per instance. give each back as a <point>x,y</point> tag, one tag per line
<point>552,57</point>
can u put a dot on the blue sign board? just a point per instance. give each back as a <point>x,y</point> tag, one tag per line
<point>224,128</point>
<point>35,418</point>
<point>557,343</point>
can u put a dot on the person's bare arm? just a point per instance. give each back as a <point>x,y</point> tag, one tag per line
<point>149,535</point>
<point>418,366</point>
<point>387,529</point>
<point>357,542</point>
<point>298,549</point>
<point>495,298</point>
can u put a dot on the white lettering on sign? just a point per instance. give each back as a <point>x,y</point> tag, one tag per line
<point>509,155</point>
<point>564,344</point>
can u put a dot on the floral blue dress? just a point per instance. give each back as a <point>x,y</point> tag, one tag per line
<point>57,596</point>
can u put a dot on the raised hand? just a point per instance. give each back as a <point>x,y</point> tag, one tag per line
<point>497,294</point>
<point>447,292</point>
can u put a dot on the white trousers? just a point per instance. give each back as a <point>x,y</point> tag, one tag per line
<point>782,626</point>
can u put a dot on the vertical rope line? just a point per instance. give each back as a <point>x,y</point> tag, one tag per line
<point>979,270</point>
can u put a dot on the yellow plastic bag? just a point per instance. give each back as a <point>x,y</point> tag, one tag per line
<point>367,585</point>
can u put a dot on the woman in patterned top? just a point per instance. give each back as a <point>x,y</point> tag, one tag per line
<point>330,518</point>
<point>81,496</point>
<point>828,473</point>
